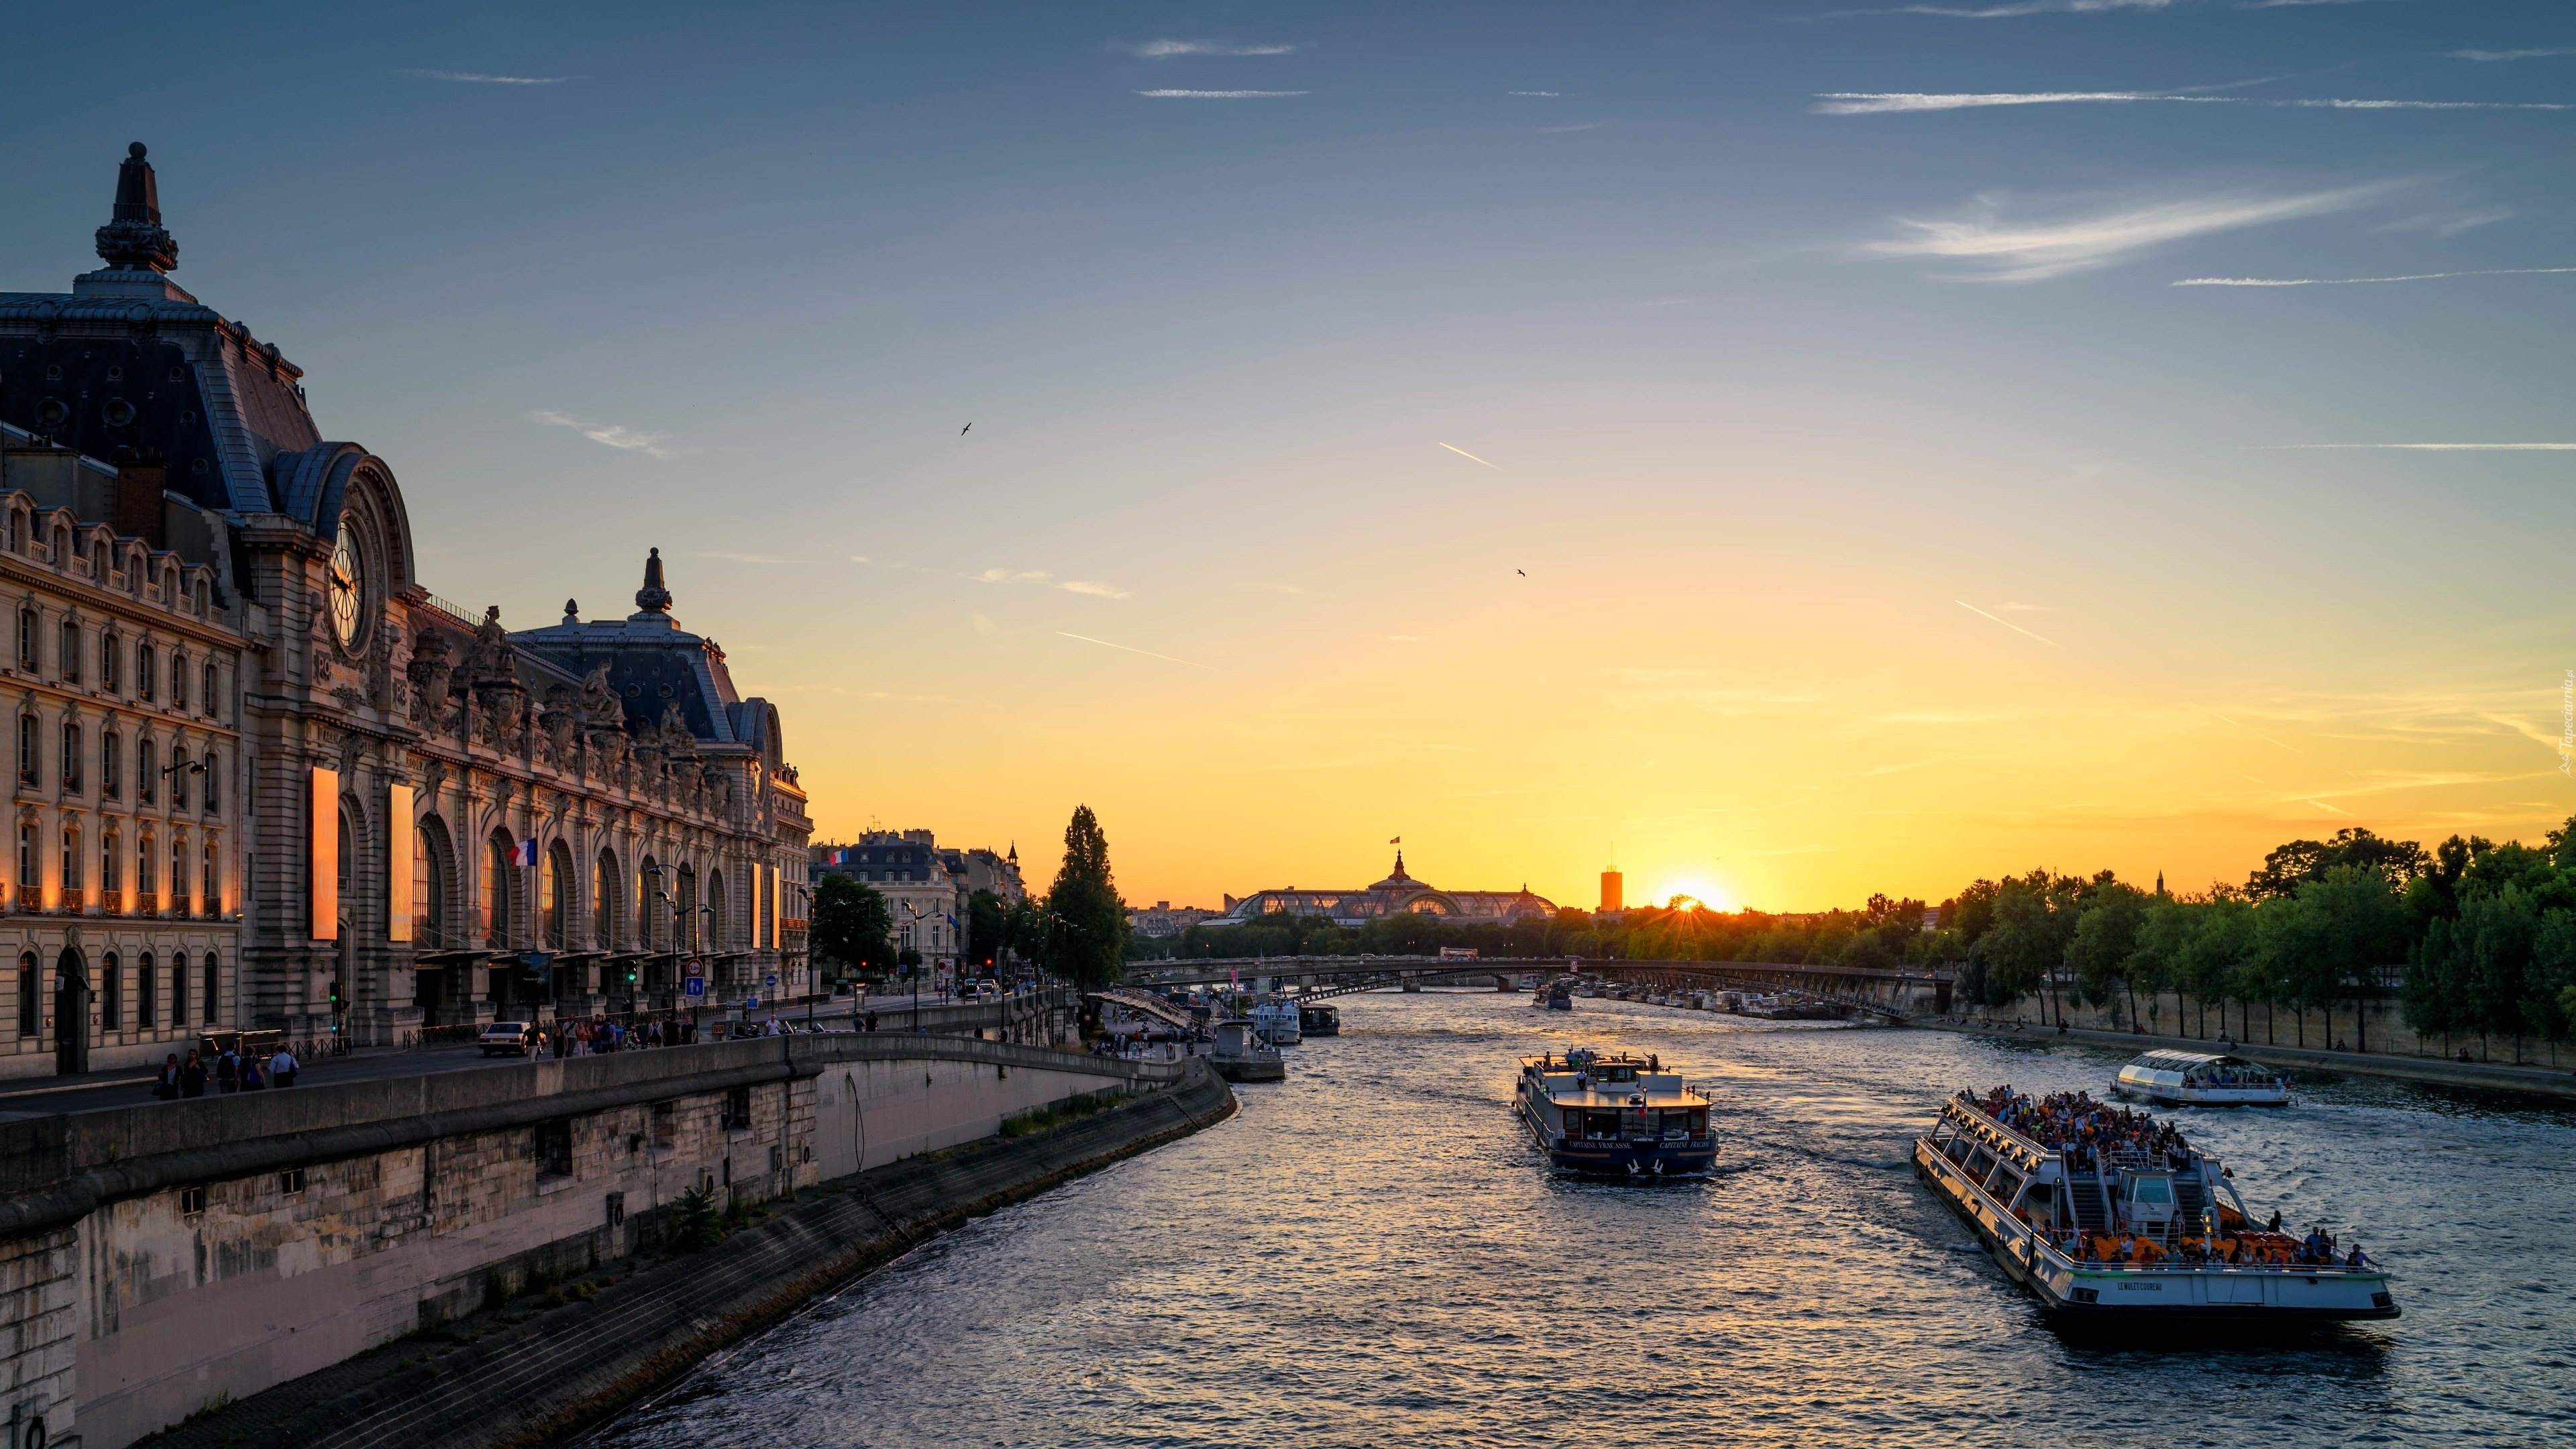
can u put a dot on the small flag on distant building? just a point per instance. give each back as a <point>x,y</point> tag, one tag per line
<point>524,853</point>
<point>1399,840</point>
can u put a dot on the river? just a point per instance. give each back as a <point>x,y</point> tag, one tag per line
<point>1372,1254</point>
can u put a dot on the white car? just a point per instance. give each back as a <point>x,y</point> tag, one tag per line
<point>509,1038</point>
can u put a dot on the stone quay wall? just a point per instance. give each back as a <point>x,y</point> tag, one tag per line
<point>161,1259</point>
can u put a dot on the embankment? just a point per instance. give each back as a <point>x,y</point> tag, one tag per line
<point>533,1372</point>
<point>2493,1076</point>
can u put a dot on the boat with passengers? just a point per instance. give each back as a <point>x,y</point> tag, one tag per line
<point>2108,1216</point>
<point>1616,1114</point>
<point>2202,1079</point>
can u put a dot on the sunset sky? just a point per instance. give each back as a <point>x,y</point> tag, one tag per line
<point>1772,440</point>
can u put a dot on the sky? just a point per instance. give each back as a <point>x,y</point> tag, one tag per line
<point>1795,450</point>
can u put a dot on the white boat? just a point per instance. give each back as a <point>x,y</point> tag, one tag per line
<point>1278,1021</point>
<point>2202,1079</point>
<point>2132,1225</point>
<point>1240,1053</point>
<point>1616,1114</point>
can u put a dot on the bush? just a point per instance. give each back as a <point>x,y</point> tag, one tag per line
<point>694,1224</point>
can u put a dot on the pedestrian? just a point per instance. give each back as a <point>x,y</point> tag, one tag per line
<point>251,1080</point>
<point>192,1077</point>
<point>166,1085</point>
<point>227,1071</point>
<point>283,1067</point>
<point>872,1021</point>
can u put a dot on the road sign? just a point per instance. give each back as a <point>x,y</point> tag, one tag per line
<point>751,1003</point>
<point>773,978</point>
<point>696,970</point>
<point>694,986</point>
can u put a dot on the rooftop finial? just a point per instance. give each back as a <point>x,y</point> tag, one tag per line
<point>133,239</point>
<point>653,598</point>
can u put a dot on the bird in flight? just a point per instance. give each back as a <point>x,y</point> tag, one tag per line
<point>1524,573</point>
<point>961,432</point>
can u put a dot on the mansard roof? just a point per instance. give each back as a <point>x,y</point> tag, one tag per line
<point>652,664</point>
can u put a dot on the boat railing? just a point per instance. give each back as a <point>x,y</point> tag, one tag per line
<point>2210,1265</point>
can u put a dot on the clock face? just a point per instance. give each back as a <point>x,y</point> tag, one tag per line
<point>348,586</point>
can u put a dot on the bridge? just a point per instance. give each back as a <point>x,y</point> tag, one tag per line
<point>1891,993</point>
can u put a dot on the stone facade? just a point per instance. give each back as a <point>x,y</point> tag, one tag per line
<point>396,763</point>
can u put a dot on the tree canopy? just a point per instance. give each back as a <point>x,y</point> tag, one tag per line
<point>1085,924</point>
<point>851,926</point>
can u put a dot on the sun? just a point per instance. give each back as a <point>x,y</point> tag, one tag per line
<point>1703,889</point>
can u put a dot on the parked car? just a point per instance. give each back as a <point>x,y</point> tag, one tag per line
<point>987,989</point>
<point>508,1038</point>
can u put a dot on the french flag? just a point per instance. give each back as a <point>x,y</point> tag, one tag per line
<point>524,853</point>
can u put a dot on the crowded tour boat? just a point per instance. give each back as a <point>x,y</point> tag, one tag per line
<point>1280,1021</point>
<point>2108,1216</point>
<point>2202,1079</point>
<point>1616,1114</point>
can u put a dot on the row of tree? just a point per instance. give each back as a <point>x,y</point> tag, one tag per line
<point>1078,931</point>
<point>2478,939</point>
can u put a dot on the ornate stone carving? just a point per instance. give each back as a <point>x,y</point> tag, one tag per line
<point>599,703</point>
<point>430,671</point>
<point>494,659</point>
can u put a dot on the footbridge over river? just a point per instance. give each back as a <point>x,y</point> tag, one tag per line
<point>1892,993</point>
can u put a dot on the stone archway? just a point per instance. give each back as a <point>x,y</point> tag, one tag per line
<point>71,1012</point>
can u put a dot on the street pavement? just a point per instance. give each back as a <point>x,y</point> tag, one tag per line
<point>98,1091</point>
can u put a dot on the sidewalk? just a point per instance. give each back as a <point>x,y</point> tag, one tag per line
<point>2496,1076</point>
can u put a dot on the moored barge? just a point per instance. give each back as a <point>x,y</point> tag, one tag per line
<point>2108,1218</point>
<point>1616,1115</point>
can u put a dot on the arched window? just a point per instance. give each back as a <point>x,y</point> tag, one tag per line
<point>719,918</point>
<point>688,894</point>
<point>147,770</point>
<point>98,562</point>
<point>603,903</point>
<point>111,869</point>
<point>495,895</point>
<point>214,792</point>
<point>212,882</point>
<point>74,897</point>
<point>179,872</point>
<point>178,680</point>
<point>147,993</point>
<point>143,669</point>
<point>31,1021</point>
<point>557,903</point>
<point>348,851</point>
<point>62,553</point>
<point>69,661</point>
<point>200,594</point>
<point>107,647</point>
<point>650,910</point>
<point>72,757</point>
<point>31,747</point>
<point>213,996</point>
<point>206,696</point>
<point>178,775</point>
<point>178,990</point>
<point>111,765</point>
<point>433,875</point>
<point>111,994</point>
<point>27,637</point>
<point>147,875</point>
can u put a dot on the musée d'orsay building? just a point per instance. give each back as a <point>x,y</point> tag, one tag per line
<point>263,778</point>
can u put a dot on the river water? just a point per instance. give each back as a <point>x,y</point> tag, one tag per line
<point>1372,1254</point>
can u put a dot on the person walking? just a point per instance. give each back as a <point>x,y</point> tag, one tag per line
<point>192,1077</point>
<point>227,1072</point>
<point>166,1085</point>
<point>252,1080</point>
<point>283,1067</point>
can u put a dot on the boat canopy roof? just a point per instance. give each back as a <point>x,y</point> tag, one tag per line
<point>2177,1061</point>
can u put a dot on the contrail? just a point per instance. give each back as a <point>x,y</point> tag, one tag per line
<point>2007,623</point>
<point>1463,453</point>
<point>1148,653</point>
<point>2249,729</point>
<point>2430,447</point>
<point>2365,281</point>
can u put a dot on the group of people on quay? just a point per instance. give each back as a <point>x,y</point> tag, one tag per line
<point>225,1072</point>
<point>2088,1131</point>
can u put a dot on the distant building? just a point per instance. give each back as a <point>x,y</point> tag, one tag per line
<point>1613,890</point>
<point>985,871</point>
<point>1164,919</point>
<point>926,885</point>
<point>1398,894</point>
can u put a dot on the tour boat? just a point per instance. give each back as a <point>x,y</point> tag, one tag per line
<point>2131,1227</point>
<point>1616,1114</point>
<point>2201,1079</point>
<point>1278,1021</point>
<point>1319,1021</point>
<point>1240,1053</point>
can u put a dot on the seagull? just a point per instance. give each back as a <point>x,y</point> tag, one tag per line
<point>1524,573</point>
<point>961,432</point>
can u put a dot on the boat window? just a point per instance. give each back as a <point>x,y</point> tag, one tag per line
<point>2152,1189</point>
<point>1600,1124</point>
<point>1633,1122</point>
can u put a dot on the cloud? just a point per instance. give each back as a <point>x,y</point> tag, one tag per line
<point>2496,55</point>
<point>1169,95</point>
<point>2444,225</point>
<point>1569,130</point>
<point>2368,281</point>
<point>1550,94</point>
<point>1881,103</point>
<point>1096,590</point>
<point>1167,49</point>
<point>2012,250</point>
<point>1005,576</point>
<point>2007,623</point>
<point>2017,8</point>
<point>1148,653</point>
<point>624,439</point>
<point>1470,457</point>
<point>467,77</point>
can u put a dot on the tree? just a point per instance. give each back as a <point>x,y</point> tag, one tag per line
<point>2342,923</point>
<point>2020,947</point>
<point>2106,935</point>
<point>850,925</point>
<point>2155,963</point>
<point>1086,923</point>
<point>988,928</point>
<point>2298,861</point>
<point>2214,959</point>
